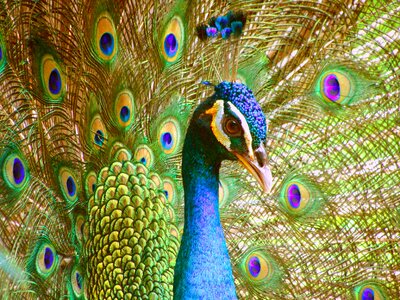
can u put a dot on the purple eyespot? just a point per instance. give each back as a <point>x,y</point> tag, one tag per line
<point>368,294</point>
<point>18,171</point>
<point>48,258</point>
<point>332,87</point>
<point>167,140</point>
<point>294,196</point>
<point>55,82</point>
<point>107,43</point>
<point>170,45</point>
<point>254,266</point>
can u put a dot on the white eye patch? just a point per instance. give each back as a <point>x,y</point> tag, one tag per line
<point>217,113</point>
<point>245,127</point>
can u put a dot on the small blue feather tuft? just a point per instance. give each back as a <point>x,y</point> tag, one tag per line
<point>211,32</point>
<point>221,22</point>
<point>226,33</point>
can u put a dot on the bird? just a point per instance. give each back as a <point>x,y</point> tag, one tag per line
<point>106,107</point>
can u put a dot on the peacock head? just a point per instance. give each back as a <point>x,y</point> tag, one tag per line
<point>234,118</point>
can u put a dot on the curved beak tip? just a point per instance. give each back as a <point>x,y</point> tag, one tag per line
<point>262,174</point>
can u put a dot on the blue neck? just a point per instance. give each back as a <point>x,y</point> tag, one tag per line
<point>203,269</point>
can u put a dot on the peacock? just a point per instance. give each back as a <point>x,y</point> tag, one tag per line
<point>200,149</point>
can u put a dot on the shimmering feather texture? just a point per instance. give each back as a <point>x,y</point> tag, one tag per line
<point>95,98</point>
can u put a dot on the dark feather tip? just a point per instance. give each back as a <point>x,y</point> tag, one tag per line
<point>237,28</point>
<point>239,16</point>
<point>211,22</point>
<point>202,32</point>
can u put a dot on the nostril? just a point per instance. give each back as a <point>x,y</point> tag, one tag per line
<point>261,156</point>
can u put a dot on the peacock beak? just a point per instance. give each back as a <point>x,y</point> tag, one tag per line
<point>257,165</point>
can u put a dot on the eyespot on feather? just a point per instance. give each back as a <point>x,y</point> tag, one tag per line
<point>15,171</point>
<point>299,197</point>
<point>53,79</point>
<point>169,135</point>
<point>144,155</point>
<point>259,269</point>
<point>124,109</point>
<point>106,42</point>
<point>90,183</point>
<point>170,190</point>
<point>69,186</point>
<point>223,193</point>
<point>77,282</point>
<point>79,224</point>
<point>369,291</point>
<point>336,87</point>
<point>46,260</point>
<point>98,133</point>
<point>172,41</point>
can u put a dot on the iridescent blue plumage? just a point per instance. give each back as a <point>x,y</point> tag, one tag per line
<point>203,269</point>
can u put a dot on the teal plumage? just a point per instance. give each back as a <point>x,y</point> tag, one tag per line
<point>95,103</point>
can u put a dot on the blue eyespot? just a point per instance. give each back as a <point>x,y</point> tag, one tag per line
<point>14,171</point>
<point>294,195</point>
<point>254,266</point>
<point>79,279</point>
<point>125,114</point>
<point>170,45</point>
<point>18,171</point>
<point>55,82</point>
<point>48,258</point>
<point>71,187</point>
<point>368,294</point>
<point>331,87</point>
<point>93,187</point>
<point>77,282</point>
<point>143,160</point>
<point>166,193</point>
<point>166,140</point>
<point>107,43</point>
<point>1,53</point>
<point>99,137</point>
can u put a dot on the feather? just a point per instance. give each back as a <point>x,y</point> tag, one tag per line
<point>95,102</point>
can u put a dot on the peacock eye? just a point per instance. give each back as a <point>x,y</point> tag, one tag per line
<point>232,127</point>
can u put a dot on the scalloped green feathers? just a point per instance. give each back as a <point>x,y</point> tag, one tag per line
<point>142,237</point>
